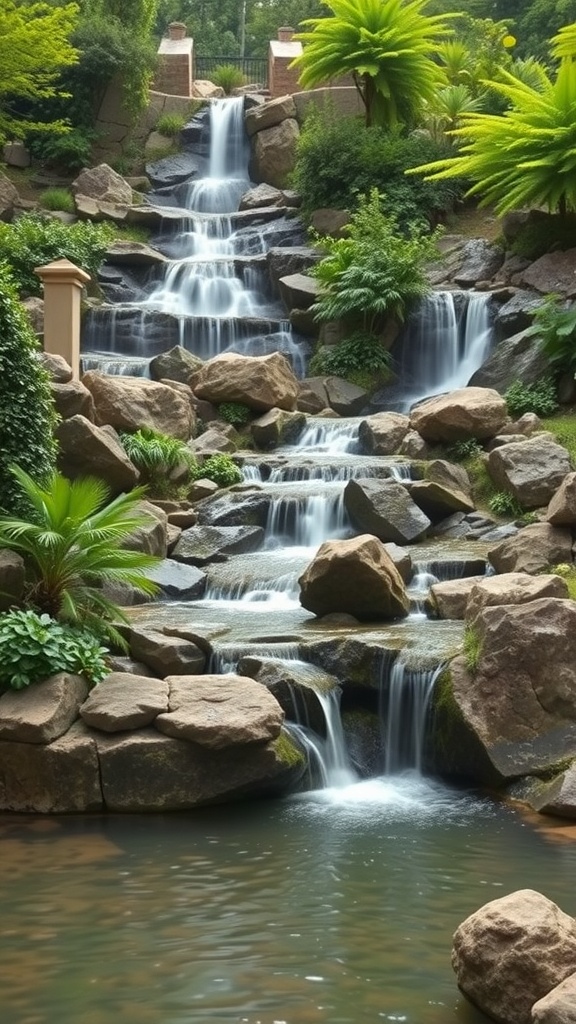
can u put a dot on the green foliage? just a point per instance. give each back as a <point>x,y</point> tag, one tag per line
<point>564,430</point>
<point>34,647</point>
<point>568,573</point>
<point>472,648</point>
<point>483,488</point>
<point>525,157</point>
<point>462,450</point>
<point>373,273</point>
<point>27,413</point>
<point>338,161</point>
<point>160,458</point>
<point>57,199</point>
<point>170,125</point>
<point>67,152</point>
<point>386,45</point>
<point>221,469</point>
<point>72,544</point>
<point>555,324</point>
<point>360,358</point>
<point>505,504</point>
<point>33,240</point>
<point>34,48</point>
<point>235,413</point>
<point>539,398</point>
<point>228,77</point>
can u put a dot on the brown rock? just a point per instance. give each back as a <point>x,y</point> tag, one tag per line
<point>533,549</point>
<point>129,403</point>
<point>124,701</point>
<point>277,426</point>
<point>438,501</point>
<point>512,588</point>
<point>553,272</point>
<point>559,1006</point>
<point>87,449</point>
<point>57,778</point>
<point>44,711</point>
<point>8,198</point>
<point>562,508</point>
<point>329,221</point>
<point>152,536</point>
<point>73,399</point>
<point>383,433</point>
<point>260,382</point>
<point>220,711</point>
<point>177,364</point>
<point>274,153</point>
<point>165,655</point>
<point>356,576</point>
<point>59,370</point>
<point>531,470</point>
<point>459,415</point>
<point>512,952</point>
<point>269,114</point>
<point>102,183</point>
<point>448,599</point>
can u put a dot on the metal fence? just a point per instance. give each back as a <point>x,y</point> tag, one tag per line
<point>254,69</point>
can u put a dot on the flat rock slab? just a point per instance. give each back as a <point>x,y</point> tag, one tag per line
<point>200,545</point>
<point>220,711</point>
<point>512,588</point>
<point>448,599</point>
<point>125,701</point>
<point>43,711</point>
<point>459,415</point>
<point>178,581</point>
<point>165,655</point>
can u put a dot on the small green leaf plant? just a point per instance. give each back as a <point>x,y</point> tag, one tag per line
<point>555,325</point>
<point>235,413</point>
<point>165,463</point>
<point>34,647</point>
<point>219,468</point>
<point>539,398</point>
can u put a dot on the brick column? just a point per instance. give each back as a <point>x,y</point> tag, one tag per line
<point>174,73</point>
<point>63,283</point>
<point>281,78</point>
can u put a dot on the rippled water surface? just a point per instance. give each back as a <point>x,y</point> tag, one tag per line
<point>331,908</point>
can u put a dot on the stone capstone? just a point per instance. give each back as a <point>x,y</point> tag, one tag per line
<point>220,711</point>
<point>460,415</point>
<point>533,549</point>
<point>124,701</point>
<point>44,711</point>
<point>356,576</point>
<point>513,952</point>
<point>531,470</point>
<point>104,184</point>
<point>129,403</point>
<point>385,509</point>
<point>260,382</point>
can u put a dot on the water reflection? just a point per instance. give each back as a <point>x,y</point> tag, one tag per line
<point>336,908</point>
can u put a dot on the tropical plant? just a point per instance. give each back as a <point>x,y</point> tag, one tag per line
<point>387,46</point>
<point>525,157</point>
<point>33,240</point>
<point>72,545</point>
<point>165,463</point>
<point>555,325</point>
<point>57,199</point>
<point>34,647</point>
<point>540,398</point>
<point>360,358</point>
<point>447,109</point>
<point>27,414</point>
<point>67,152</point>
<point>228,77</point>
<point>373,273</point>
<point>468,449</point>
<point>219,468</point>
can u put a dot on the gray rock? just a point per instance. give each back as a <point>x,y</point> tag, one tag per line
<point>104,184</point>
<point>531,470</point>
<point>262,195</point>
<point>345,398</point>
<point>533,549</point>
<point>481,260</point>
<point>384,509</point>
<point>516,314</point>
<point>438,501</point>
<point>553,272</point>
<point>12,577</point>
<point>73,399</point>
<point>562,508</point>
<point>126,253</point>
<point>517,358</point>
<point>124,701</point>
<point>176,364</point>
<point>296,259</point>
<point>299,291</point>
<point>151,536</point>
<point>171,170</point>
<point>203,544</point>
<point>44,711</point>
<point>178,581</point>
<point>165,655</point>
<point>277,426</point>
<point>383,433</point>
<point>8,198</point>
<point>295,685</point>
<point>274,153</point>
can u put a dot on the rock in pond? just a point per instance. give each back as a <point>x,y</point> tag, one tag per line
<point>356,576</point>
<point>559,1006</point>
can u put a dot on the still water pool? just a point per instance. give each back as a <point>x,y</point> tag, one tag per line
<point>332,908</point>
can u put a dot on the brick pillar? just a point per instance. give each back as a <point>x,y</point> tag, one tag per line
<point>283,79</point>
<point>174,73</point>
<point>63,283</point>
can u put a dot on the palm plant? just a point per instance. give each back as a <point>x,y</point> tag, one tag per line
<point>386,45</point>
<point>162,460</point>
<point>72,546</point>
<point>448,108</point>
<point>525,157</point>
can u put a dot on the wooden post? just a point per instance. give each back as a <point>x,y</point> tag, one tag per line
<point>63,283</point>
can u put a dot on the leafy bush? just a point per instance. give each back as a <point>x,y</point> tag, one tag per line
<point>159,457</point>
<point>33,240</point>
<point>339,159</point>
<point>505,504</point>
<point>461,450</point>
<point>57,199</point>
<point>373,273</point>
<point>555,324</point>
<point>235,413</point>
<point>72,545</point>
<point>564,430</point>
<point>539,398</point>
<point>171,125</point>
<point>221,469</point>
<point>228,77</point>
<point>568,573</point>
<point>27,413</point>
<point>65,152</point>
<point>359,358</point>
<point>34,647</point>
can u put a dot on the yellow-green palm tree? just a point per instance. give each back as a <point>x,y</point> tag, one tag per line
<point>387,46</point>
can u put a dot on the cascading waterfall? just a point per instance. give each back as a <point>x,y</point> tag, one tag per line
<point>405,715</point>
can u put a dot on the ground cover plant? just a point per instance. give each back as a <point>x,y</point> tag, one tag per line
<point>33,240</point>
<point>34,647</point>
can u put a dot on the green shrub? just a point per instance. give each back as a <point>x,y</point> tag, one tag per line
<point>568,573</point>
<point>555,325</point>
<point>170,125</point>
<point>461,450</point>
<point>228,77</point>
<point>27,414</point>
<point>358,358</point>
<point>504,504</point>
<point>34,647</point>
<point>235,413</point>
<point>539,398</point>
<point>65,152</point>
<point>57,199</point>
<point>339,159</point>
<point>221,469</point>
<point>159,457</point>
<point>33,240</point>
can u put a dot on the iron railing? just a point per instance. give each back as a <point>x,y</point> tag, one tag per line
<point>254,69</point>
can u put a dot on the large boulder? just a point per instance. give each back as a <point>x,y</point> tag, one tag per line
<point>267,115</point>
<point>200,545</point>
<point>511,588</point>
<point>562,508</point>
<point>533,549</point>
<point>517,358</point>
<point>383,433</point>
<point>438,501</point>
<point>61,777</point>
<point>277,426</point>
<point>261,196</point>
<point>449,599</point>
<point>260,382</point>
<point>220,711</point>
<point>128,253</point>
<point>513,952</point>
<point>531,470</point>
<point>274,153</point>
<point>356,576</point>
<point>345,398</point>
<point>481,260</point>
<point>12,577</point>
<point>460,415</point>
<point>129,403</point>
<point>72,399</point>
<point>85,448</point>
<point>152,535</point>
<point>552,272</point>
<point>299,291</point>
<point>384,509</point>
<point>559,1006</point>
<point>124,701</point>
<point>104,184</point>
<point>43,712</point>
<point>176,364</point>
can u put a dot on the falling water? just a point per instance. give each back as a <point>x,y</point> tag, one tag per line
<point>405,715</point>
